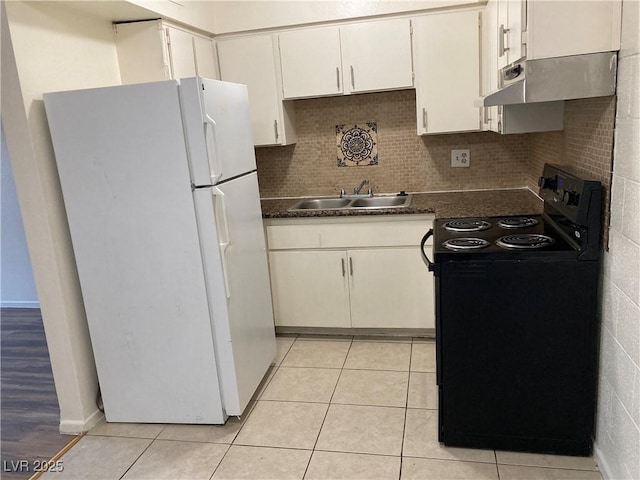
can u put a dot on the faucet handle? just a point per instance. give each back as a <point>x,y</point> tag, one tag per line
<point>342,192</point>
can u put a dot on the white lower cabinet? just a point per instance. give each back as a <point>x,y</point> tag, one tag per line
<point>309,289</point>
<point>350,273</point>
<point>390,288</point>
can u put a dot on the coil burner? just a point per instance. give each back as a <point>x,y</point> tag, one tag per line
<point>465,243</point>
<point>530,241</point>
<point>517,222</point>
<point>467,225</point>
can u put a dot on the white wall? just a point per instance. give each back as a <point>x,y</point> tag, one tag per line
<point>617,446</point>
<point>238,16</point>
<point>53,47</point>
<point>17,288</point>
<point>200,14</point>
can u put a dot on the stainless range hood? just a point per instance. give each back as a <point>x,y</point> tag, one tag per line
<point>551,79</point>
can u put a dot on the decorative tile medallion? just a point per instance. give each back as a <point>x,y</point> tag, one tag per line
<point>357,144</point>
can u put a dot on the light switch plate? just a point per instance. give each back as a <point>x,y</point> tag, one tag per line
<point>460,158</point>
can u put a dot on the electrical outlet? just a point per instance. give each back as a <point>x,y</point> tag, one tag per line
<point>460,158</point>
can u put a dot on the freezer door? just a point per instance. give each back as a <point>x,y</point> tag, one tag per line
<point>218,130</point>
<point>123,169</point>
<point>233,246</point>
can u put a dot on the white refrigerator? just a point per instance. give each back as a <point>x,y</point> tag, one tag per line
<point>161,193</point>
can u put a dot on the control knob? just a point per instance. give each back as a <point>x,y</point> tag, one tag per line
<point>547,183</point>
<point>570,197</point>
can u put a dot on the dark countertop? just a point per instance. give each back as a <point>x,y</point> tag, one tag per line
<point>484,203</point>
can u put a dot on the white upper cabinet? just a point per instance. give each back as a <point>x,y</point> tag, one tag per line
<point>354,58</point>
<point>447,63</point>
<point>205,57</point>
<point>538,29</point>
<point>181,53</point>
<point>252,61</point>
<point>561,28</point>
<point>511,25</point>
<point>377,55</point>
<point>311,62</point>
<point>153,50</point>
<point>510,119</point>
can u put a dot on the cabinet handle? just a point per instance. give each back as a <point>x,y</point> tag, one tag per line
<point>338,77</point>
<point>501,40</point>
<point>353,80</point>
<point>275,127</point>
<point>424,118</point>
<point>343,270</point>
<point>351,266</point>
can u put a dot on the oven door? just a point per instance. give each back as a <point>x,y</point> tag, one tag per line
<point>516,347</point>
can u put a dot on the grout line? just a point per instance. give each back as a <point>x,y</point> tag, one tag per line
<point>495,455</point>
<point>138,458</point>
<point>287,352</point>
<point>406,408</point>
<point>328,407</point>
<point>220,462</point>
<point>345,404</point>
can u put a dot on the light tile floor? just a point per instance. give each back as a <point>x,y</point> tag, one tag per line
<point>329,408</point>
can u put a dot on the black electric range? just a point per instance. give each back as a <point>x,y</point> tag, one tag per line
<point>517,322</point>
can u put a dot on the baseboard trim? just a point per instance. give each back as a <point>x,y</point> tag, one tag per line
<point>20,304</point>
<point>603,465</point>
<point>75,427</point>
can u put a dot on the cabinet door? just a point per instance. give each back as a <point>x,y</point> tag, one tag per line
<point>517,25</point>
<point>251,61</point>
<point>390,288</point>
<point>311,65</point>
<point>310,288</point>
<point>205,57</point>
<point>511,24</point>
<point>183,63</point>
<point>489,66</point>
<point>377,55</point>
<point>447,50</point>
<point>143,55</point>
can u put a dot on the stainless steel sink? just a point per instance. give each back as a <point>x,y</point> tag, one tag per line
<point>370,203</point>
<point>381,202</point>
<point>321,204</point>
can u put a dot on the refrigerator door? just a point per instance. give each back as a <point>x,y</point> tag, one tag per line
<point>123,169</point>
<point>218,130</point>
<point>233,246</point>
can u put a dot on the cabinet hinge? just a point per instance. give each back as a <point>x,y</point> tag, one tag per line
<point>410,27</point>
<point>168,36</point>
<point>524,37</point>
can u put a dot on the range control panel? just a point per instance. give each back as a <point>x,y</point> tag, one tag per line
<point>572,196</point>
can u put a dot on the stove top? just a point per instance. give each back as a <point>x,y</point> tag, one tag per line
<point>499,238</point>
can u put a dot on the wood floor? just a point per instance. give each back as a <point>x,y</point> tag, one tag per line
<point>30,413</point>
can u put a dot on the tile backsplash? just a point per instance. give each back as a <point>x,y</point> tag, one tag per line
<point>406,161</point>
<point>415,163</point>
<point>585,144</point>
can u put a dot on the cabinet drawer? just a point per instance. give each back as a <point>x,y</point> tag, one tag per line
<point>348,234</point>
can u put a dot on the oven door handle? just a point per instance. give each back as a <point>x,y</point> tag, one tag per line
<point>425,259</point>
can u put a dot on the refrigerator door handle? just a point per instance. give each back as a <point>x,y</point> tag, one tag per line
<point>215,166</point>
<point>224,239</point>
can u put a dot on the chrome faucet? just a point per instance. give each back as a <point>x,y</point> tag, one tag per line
<point>356,190</point>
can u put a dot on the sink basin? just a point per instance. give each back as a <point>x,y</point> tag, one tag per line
<point>321,204</point>
<point>381,202</point>
<point>392,201</point>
